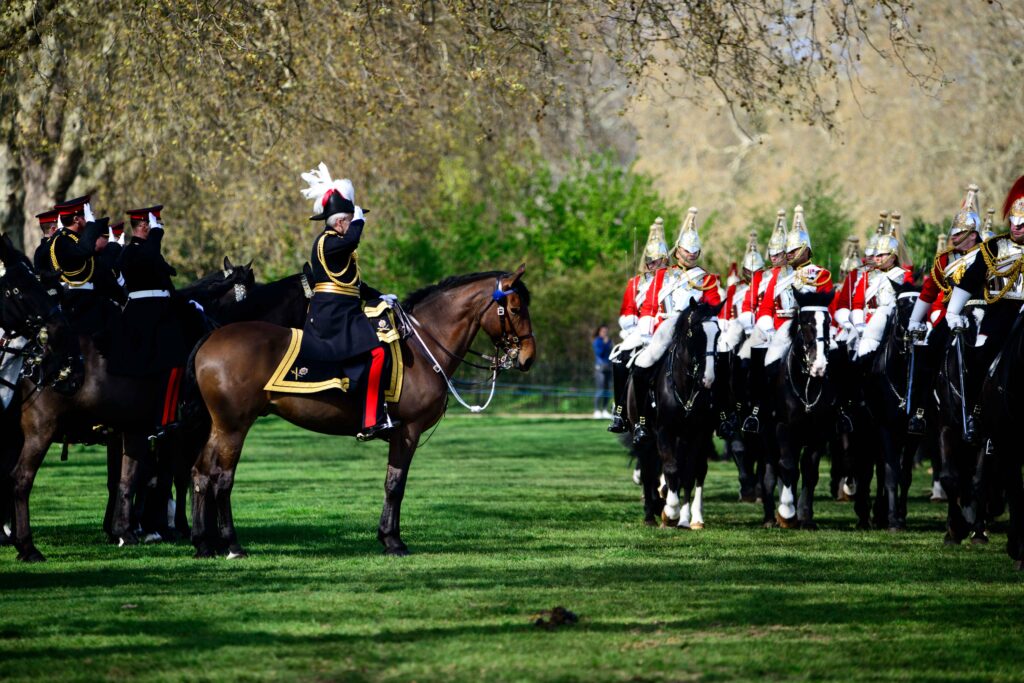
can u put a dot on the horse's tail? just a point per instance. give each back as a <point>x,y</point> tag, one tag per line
<point>195,417</point>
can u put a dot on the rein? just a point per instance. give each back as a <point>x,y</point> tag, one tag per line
<point>506,349</point>
<point>805,396</point>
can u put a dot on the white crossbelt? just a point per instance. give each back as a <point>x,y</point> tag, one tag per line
<point>85,285</point>
<point>149,294</point>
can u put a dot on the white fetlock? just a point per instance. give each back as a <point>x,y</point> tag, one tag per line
<point>121,543</point>
<point>7,530</point>
<point>636,476</point>
<point>938,493</point>
<point>172,508</point>
<point>786,508</point>
<point>849,487</point>
<point>697,508</point>
<point>672,505</point>
<point>684,517</point>
<point>152,537</point>
<point>969,514</point>
<point>234,555</point>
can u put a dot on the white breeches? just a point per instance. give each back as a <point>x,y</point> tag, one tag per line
<point>659,342</point>
<point>780,344</point>
<point>873,331</point>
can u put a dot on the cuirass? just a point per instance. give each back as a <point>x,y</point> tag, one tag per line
<point>1006,254</point>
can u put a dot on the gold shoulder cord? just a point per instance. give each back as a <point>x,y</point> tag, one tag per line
<point>65,273</point>
<point>702,287</point>
<point>1011,273</point>
<point>336,277</point>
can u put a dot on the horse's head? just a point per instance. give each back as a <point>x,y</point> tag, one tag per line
<point>696,335</point>
<point>222,287</point>
<point>507,322</point>
<point>811,331</point>
<point>31,311</point>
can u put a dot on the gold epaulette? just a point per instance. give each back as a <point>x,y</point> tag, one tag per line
<point>710,282</point>
<point>1011,273</point>
<point>67,274</point>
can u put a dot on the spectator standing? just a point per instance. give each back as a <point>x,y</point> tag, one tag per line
<point>602,371</point>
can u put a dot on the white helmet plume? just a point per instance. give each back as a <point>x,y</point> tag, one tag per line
<point>320,184</point>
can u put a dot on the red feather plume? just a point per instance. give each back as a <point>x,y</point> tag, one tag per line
<point>1016,192</point>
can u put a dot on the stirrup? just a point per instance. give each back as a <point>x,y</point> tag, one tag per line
<point>727,426</point>
<point>917,425</point>
<point>752,425</point>
<point>618,425</point>
<point>970,431</point>
<point>639,435</point>
<point>382,430</point>
<point>844,424</point>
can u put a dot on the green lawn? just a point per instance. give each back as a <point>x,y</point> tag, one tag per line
<point>504,518</point>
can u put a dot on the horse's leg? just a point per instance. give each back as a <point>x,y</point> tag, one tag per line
<point>204,509</point>
<point>400,451</point>
<point>769,477</point>
<point>133,466</point>
<point>810,462</point>
<point>697,502</point>
<point>950,478</point>
<point>667,449</point>
<point>891,456</point>
<point>647,459</point>
<point>980,490</point>
<point>32,453</point>
<point>863,465</point>
<point>687,450</point>
<point>1010,471</point>
<point>228,451</point>
<point>788,475</point>
<point>114,448</point>
<point>908,453</point>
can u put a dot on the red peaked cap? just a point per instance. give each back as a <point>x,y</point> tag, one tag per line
<point>732,268</point>
<point>143,214</point>
<point>1015,193</point>
<point>48,217</point>
<point>117,228</point>
<point>72,207</point>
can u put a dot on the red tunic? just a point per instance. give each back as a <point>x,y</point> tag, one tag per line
<point>822,283</point>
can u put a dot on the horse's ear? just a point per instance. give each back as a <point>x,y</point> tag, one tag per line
<point>227,264</point>
<point>518,274</point>
<point>248,266</point>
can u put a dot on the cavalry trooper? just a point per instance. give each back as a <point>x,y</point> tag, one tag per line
<point>857,270</point>
<point>999,276</point>
<point>875,298</point>
<point>800,275</point>
<point>49,223</point>
<point>955,255</point>
<point>757,342</point>
<point>336,328</point>
<point>685,284</point>
<point>639,316</point>
<point>988,230</point>
<point>92,289</point>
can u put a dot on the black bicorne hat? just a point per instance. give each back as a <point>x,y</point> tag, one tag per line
<point>334,202</point>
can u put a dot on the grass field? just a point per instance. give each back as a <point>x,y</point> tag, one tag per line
<point>504,518</point>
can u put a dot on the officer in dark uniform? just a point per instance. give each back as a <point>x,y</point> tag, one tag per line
<point>49,223</point>
<point>336,325</point>
<point>92,296</point>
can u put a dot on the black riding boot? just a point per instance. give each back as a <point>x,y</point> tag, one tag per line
<point>642,391</point>
<point>757,387</point>
<point>620,373</point>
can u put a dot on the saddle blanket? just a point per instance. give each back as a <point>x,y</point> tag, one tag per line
<point>301,372</point>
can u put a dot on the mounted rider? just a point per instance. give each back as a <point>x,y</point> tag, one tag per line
<point>800,275</point>
<point>742,301</point>
<point>756,346</point>
<point>685,284</point>
<point>856,269</point>
<point>336,328</point>
<point>49,223</point>
<point>639,317</point>
<point>998,276</point>
<point>92,292</point>
<point>875,298</point>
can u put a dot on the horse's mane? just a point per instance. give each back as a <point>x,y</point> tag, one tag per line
<point>424,293</point>
<point>697,314</point>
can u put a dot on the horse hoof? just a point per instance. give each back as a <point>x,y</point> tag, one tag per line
<point>651,521</point>
<point>979,538</point>
<point>204,552</point>
<point>949,539</point>
<point>31,556</point>
<point>809,526</point>
<point>896,529</point>
<point>697,525</point>
<point>786,522</point>
<point>237,554</point>
<point>748,498</point>
<point>397,551</point>
<point>770,524</point>
<point>1019,565</point>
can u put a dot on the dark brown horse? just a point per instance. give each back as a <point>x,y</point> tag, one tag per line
<point>231,368</point>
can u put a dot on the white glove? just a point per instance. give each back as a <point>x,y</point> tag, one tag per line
<point>956,321</point>
<point>357,214</point>
<point>120,239</point>
<point>154,224</point>
<point>389,299</point>
<point>87,211</point>
<point>199,306</point>
<point>110,234</point>
<point>917,330</point>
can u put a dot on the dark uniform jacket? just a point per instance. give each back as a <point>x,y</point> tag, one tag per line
<point>999,315</point>
<point>92,312</point>
<point>336,328</point>
<point>41,258</point>
<point>151,337</point>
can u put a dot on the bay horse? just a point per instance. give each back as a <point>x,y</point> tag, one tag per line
<point>230,369</point>
<point>804,415</point>
<point>1001,394</point>
<point>125,405</point>
<point>887,402</point>
<point>685,415</point>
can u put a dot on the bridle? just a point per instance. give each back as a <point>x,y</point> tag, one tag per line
<point>805,396</point>
<point>901,346</point>
<point>694,372</point>
<point>506,348</point>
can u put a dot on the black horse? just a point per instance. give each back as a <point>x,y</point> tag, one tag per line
<point>965,466</point>
<point>1001,393</point>
<point>685,411</point>
<point>803,417</point>
<point>282,302</point>
<point>889,402</point>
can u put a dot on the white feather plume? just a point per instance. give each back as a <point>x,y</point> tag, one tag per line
<point>319,181</point>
